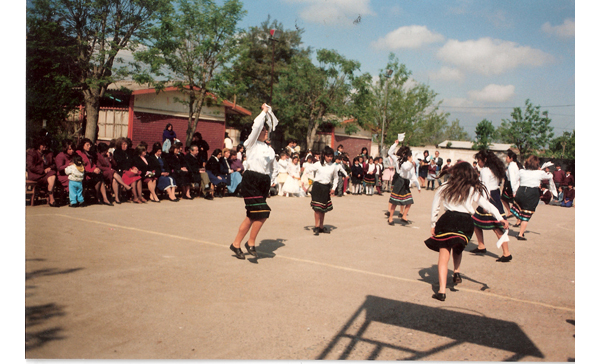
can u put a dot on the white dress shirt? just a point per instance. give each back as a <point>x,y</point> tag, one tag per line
<point>325,174</point>
<point>260,157</point>
<point>512,173</point>
<point>466,206</point>
<point>489,180</point>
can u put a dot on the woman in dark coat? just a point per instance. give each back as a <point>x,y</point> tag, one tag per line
<point>93,174</point>
<point>217,172</point>
<point>179,170</point>
<point>122,156</point>
<point>147,173</point>
<point>63,159</point>
<point>159,165</point>
<point>111,177</point>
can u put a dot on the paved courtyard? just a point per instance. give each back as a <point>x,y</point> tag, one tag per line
<point>158,281</point>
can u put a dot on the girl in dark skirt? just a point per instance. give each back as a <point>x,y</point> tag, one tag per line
<point>405,174</point>
<point>492,172</point>
<point>528,194</point>
<point>260,175</point>
<point>452,232</point>
<point>511,180</point>
<point>326,179</point>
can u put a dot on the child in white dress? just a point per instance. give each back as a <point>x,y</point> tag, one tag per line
<point>291,187</point>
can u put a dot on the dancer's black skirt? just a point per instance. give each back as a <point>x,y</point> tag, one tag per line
<point>401,194</point>
<point>321,199</point>
<point>526,200</point>
<point>254,188</point>
<point>484,219</point>
<point>453,230</point>
<point>507,192</point>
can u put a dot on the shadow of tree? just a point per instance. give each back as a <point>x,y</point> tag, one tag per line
<point>49,272</point>
<point>452,327</point>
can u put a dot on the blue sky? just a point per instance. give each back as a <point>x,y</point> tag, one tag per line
<point>482,57</point>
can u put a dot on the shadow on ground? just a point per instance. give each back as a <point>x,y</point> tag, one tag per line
<point>453,329</point>
<point>266,249</point>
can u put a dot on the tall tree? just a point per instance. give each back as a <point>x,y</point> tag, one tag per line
<point>528,130</point>
<point>190,46</point>
<point>101,28</point>
<point>456,132</point>
<point>51,76</point>
<point>563,146</point>
<point>310,95</point>
<point>485,133</point>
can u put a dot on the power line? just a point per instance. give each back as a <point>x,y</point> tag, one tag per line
<point>497,107</point>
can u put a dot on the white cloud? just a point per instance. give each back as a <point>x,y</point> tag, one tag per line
<point>447,74</point>
<point>414,36</point>
<point>493,93</point>
<point>334,12</point>
<point>566,30</point>
<point>491,56</point>
<point>457,102</point>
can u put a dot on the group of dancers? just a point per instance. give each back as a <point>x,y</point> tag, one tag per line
<point>450,232</point>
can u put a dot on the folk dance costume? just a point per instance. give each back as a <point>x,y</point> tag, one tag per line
<point>485,220</point>
<point>454,228</point>
<point>369,178</point>
<point>528,194</point>
<point>261,171</point>
<point>405,174</point>
<point>326,179</point>
<point>511,182</point>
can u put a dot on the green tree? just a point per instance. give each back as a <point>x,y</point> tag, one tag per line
<point>51,76</point>
<point>563,146</point>
<point>249,77</point>
<point>528,130</point>
<point>485,134</point>
<point>101,28</point>
<point>309,96</point>
<point>189,47</point>
<point>456,132</point>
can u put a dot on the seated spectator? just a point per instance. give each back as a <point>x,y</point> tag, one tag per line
<point>93,174</point>
<point>203,146</point>
<point>146,172</point>
<point>122,156</point>
<point>161,169</point>
<point>197,172</point>
<point>236,163</point>
<point>545,194</point>
<point>218,177</point>
<point>63,160</point>
<point>235,177</point>
<point>133,178</point>
<point>569,196</point>
<point>179,169</point>
<point>41,169</point>
<point>111,177</point>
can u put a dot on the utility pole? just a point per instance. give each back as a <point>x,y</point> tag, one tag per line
<point>388,74</point>
<point>275,34</point>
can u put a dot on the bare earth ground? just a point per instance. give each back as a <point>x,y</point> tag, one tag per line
<point>158,281</point>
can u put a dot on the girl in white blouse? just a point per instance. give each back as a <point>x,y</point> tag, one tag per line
<point>260,175</point>
<point>401,194</point>
<point>491,174</point>
<point>453,230</point>
<point>511,181</point>
<point>528,194</point>
<point>324,184</point>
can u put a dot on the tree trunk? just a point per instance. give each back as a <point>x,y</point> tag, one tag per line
<point>92,111</point>
<point>312,133</point>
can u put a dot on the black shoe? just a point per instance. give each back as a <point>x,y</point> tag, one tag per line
<point>81,204</point>
<point>316,231</point>
<point>387,214</point>
<point>54,204</point>
<point>456,278</point>
<point>74,205</point>
<point>477,251</point>
<point>208,197</point>
<point>405,222</point>
<point>251,250</point>
<point>391,223</point>
<point>504,259</point>
<point>187,198</point>
<point>107,203</point>
<point>118,202</point>
<point>439,296</point>
<point>521,237</point>
<point>324,230</point>
<point>175,200</point>
<point>238,252</point>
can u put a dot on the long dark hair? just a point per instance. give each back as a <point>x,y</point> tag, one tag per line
<point>462,177</point>
<point>327,151</point>
<point>403,153</point>
<point>491,161</point>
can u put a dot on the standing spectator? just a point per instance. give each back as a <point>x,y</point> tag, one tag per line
<point>40,169</point>
<point>75,171</point>
<point>240,152</point>
<point>340,150</point>
<point>228,143</point>
<point>569,179</point>
<point>439,162</point>
<point>203,146</point>
<point>357,175</point>
<point>388,173</point>
<point>559,176</point>
<point>290,149</point>
<point>431,174</point>
<point>282,168</point>
<point>424,168</point>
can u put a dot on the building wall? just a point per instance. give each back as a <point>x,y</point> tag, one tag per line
<point>352,145</point>
<point>149,128</point>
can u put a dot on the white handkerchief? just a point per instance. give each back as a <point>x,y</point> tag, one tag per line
<point>401,137</point>
<point>271,119</point>
<point>502,239</point>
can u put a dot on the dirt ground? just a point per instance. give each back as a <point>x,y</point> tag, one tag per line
<point>158,281</point>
